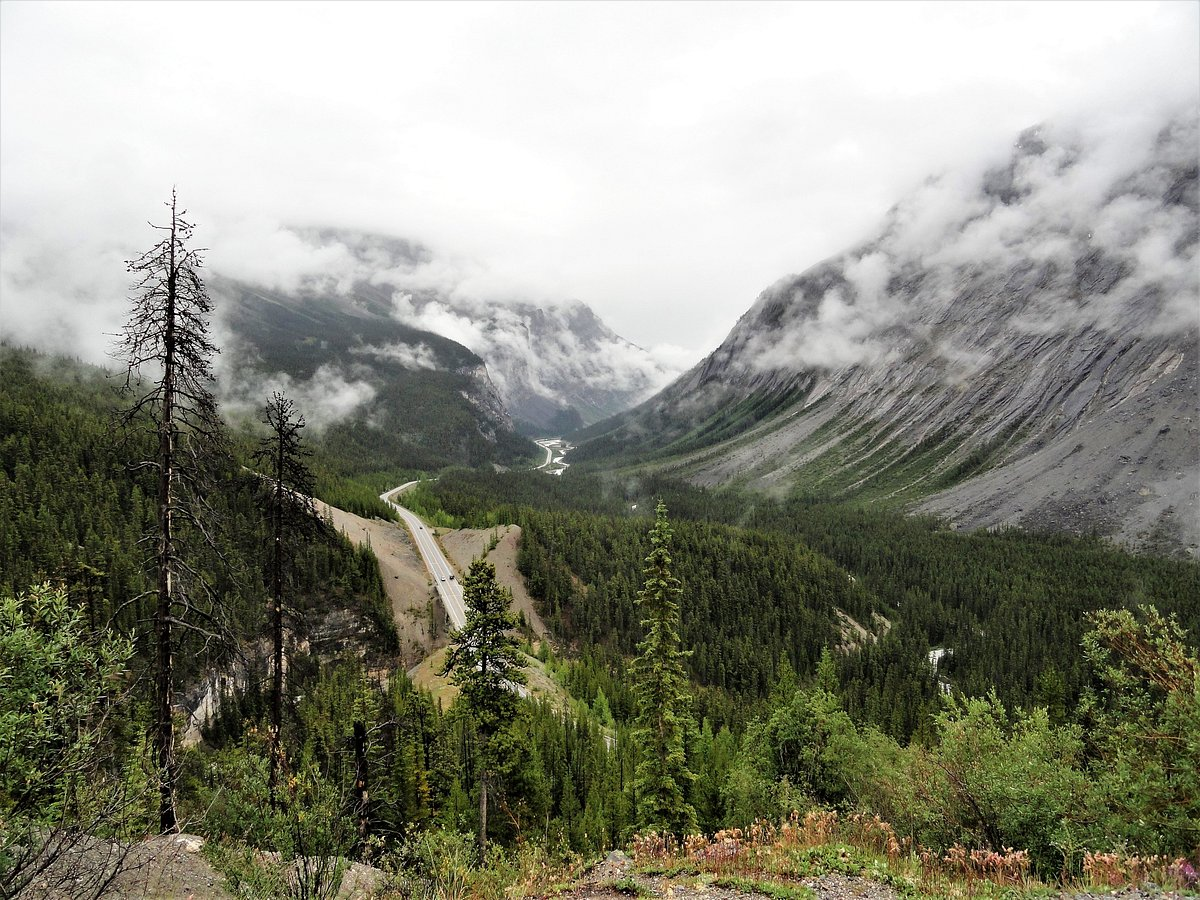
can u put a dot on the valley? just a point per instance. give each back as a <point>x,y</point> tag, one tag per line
<point>556,451</point>
<point>902,576</point>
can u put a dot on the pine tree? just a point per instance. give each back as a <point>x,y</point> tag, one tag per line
<point>483,661</point>
<point>167,333</point>
<point>280,458</point>
<point>663,778</point>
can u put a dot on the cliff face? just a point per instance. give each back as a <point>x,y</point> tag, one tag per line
<point>560,367</point>
<point>1017,345</point>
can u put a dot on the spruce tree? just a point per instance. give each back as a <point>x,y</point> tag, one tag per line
<point>280,458</point>
<point>483,661</point>
<point>662,777</point>
<point>167,333</point>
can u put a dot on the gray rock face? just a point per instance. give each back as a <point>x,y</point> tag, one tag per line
<point>486,399</point>
<point>1018,345</point>
<point>563,366</point>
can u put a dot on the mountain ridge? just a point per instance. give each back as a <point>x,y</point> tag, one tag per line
<point>954,361</point>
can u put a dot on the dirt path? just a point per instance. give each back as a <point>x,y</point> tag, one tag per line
<point>615,878</point>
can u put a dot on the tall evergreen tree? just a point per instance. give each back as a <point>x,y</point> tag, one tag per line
<point>280,458</point>
<point>483,661</point>
<point>167,334</point>
<point>662,777</point>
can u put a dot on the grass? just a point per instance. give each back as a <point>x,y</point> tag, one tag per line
<point>778,890</point>
<point>628,886</point>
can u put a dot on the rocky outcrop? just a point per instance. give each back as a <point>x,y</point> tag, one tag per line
<point>484,397</point>
<point>561,366</point>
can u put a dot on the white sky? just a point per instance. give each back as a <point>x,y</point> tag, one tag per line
<point>662,162</point>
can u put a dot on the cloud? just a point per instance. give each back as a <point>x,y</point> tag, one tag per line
<point>63,297</point>
<point>264,252</point>
<point>328,397</point>
<point>1081,226</point>
<point>410,356</point>
<point>661,163</point>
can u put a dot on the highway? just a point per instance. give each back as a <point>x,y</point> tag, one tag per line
<point>445,579</point>
<point>554,464</point>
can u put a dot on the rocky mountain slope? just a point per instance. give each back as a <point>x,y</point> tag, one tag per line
<point>1017,345</point>
<point>556,367</point>
<point>376,390</point>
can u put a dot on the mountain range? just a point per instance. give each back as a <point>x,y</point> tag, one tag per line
<point>554,367</point>
<point>1015,345</point>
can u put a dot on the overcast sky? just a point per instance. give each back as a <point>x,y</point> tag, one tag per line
<point>662,162</point>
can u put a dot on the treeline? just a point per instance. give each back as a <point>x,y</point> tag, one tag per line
<point>565,779</point>
<point>752,598</point>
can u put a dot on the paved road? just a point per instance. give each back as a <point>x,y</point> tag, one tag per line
<point>444,576</point>
<point>556,449</point>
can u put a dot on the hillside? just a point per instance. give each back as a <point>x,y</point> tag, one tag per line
<point>381,395</point>
<point>1017,345</point>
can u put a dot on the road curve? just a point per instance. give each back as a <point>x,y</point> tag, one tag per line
<point>443,574</point>
<point>556,449</point>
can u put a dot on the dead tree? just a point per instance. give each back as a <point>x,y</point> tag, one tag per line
<point>167,351</point>
<point>280,459</point>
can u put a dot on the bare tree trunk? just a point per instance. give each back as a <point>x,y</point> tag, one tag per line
<point>164,744</point>
<point>277,633</point>
<point>483,791</point>
<point>362,796</point>
<point>281,455</point>
<point>168,330</point>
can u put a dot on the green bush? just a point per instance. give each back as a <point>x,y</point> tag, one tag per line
<point>997,781</point>
<point>61,687</point>
<point>296,847</point>
<point>1144,733</point>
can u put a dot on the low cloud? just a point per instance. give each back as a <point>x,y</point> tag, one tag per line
<point>410,356</point>
<point>39,280</point>
<point>530,345</point>
<point>328,397</point>
<point>1079,226</point>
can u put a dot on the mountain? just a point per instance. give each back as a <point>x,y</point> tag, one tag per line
<point>1016,345</point>
<point>556,366</point>
<point>379,393</point>
<point>560,367</point>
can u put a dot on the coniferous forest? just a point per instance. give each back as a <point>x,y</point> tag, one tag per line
<point>1025,702</point>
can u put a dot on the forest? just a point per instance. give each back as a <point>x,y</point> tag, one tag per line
<point>731,663</point>
<point>788,707</point>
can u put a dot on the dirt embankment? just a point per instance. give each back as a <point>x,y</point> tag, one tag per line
<point>405,579</point>
<point>407,583</point>
<point>468,544</point>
